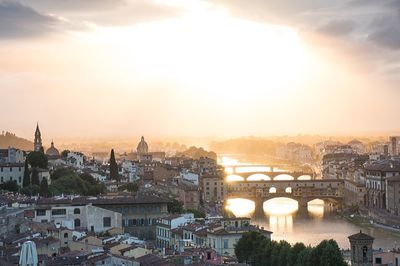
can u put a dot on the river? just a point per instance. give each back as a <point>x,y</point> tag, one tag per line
<point>321,222</point>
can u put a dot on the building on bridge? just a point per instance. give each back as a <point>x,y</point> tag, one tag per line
<point>302,191</point>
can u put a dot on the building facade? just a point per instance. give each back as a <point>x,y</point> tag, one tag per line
<point>12,172</point>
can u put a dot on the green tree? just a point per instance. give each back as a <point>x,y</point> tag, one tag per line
<point>303,259</point>
<point>88,178</point>
<point>44,188</point>
<point>197,213</point>
<point>26,182</point>
<point>74,184</point>
<point>252,247</point>
<point>60,172</point>
<point>30,190</point>
<point>113,167</point>
<point>64,154</point>
<point>37,159</point>
<point>35,176</point>
<point>132,187</point>
<point>284,252</point>
<point>327,253</point>
<point>10,185</point>
<point>175,206</point>
<point>294,253</point>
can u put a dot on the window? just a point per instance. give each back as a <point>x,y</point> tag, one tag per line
<point>378,260</point>
<point>65,235</point>
<point>226,243</point>
<point>58,212</point>
<point>77,223</point>
<point>77,211</point>
<point>40,212</point>
<point>106,221</point>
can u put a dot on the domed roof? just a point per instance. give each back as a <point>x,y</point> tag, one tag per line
<point>142,147</point>
<point>52,151</point>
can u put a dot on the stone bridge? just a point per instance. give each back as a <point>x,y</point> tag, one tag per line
<point>302,191</point>
<point>275,175</point>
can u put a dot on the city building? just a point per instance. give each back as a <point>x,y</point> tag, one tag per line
<point>139,214</point>
<point>52,152</point>
<point>394,144</point>
<point>213,188</point>
<point>75,214</point>
<point>223,238</point>
<point>361,249</point>
<point>37,145</point>
<point>375,176</point>
<point>12,172</point>
<point>165,226</point>
<point>393,194</point>
<point>11,155</point>
<point>76,160</point>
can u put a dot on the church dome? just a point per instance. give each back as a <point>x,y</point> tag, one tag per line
<point>52,152</point>
<point>142,147</point>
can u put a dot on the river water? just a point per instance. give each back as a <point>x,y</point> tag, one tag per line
<point>320,222</point>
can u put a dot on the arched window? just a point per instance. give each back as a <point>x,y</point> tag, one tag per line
<point>77,211</point>
<point>77,223</point>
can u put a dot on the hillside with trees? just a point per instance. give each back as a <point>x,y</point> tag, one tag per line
<point>8,139</point>
<point>197,153</point>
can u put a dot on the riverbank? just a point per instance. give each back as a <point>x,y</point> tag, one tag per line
<point>366,222</point>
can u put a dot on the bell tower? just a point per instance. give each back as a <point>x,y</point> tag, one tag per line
<point>361,249</point>
<point>38,139</point>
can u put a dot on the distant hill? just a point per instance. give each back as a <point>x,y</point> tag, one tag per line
<point>8,139</point>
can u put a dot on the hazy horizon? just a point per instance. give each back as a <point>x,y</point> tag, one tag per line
<point>199,69</point>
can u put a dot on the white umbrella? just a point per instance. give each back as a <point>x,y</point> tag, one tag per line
<point>29,256</point>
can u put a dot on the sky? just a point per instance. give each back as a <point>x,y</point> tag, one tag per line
<point>215,68</point>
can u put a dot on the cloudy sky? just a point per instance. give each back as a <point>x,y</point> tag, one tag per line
<point>199,68</point>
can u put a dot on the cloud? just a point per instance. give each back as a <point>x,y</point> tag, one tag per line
<point>338,27</point>
<point>106,12</point>
<point>18,21</point>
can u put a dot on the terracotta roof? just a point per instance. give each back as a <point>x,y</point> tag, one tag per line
<point>361,236</point>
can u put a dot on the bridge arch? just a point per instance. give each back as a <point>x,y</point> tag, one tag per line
<point>304,177</point>
<point>259,177</point>
<point>280,206</point>
<point>283,177</point>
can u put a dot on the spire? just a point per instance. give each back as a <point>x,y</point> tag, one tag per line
<point>38,139</point>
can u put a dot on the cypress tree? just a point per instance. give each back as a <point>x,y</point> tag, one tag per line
<point>35,177</point>
<point>44,188</point>
<point>113,167</point>
<point>27,176</point>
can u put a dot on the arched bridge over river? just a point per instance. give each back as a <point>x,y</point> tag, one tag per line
<point>302,191</point>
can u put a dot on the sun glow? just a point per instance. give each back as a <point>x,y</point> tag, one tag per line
<point>207,50</point>
<point>240,207</point>
<point>280,206</point>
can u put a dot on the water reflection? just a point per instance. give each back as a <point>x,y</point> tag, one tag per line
<point>241,207</point>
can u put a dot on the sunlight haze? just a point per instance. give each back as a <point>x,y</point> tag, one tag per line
<point>198,68</point>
